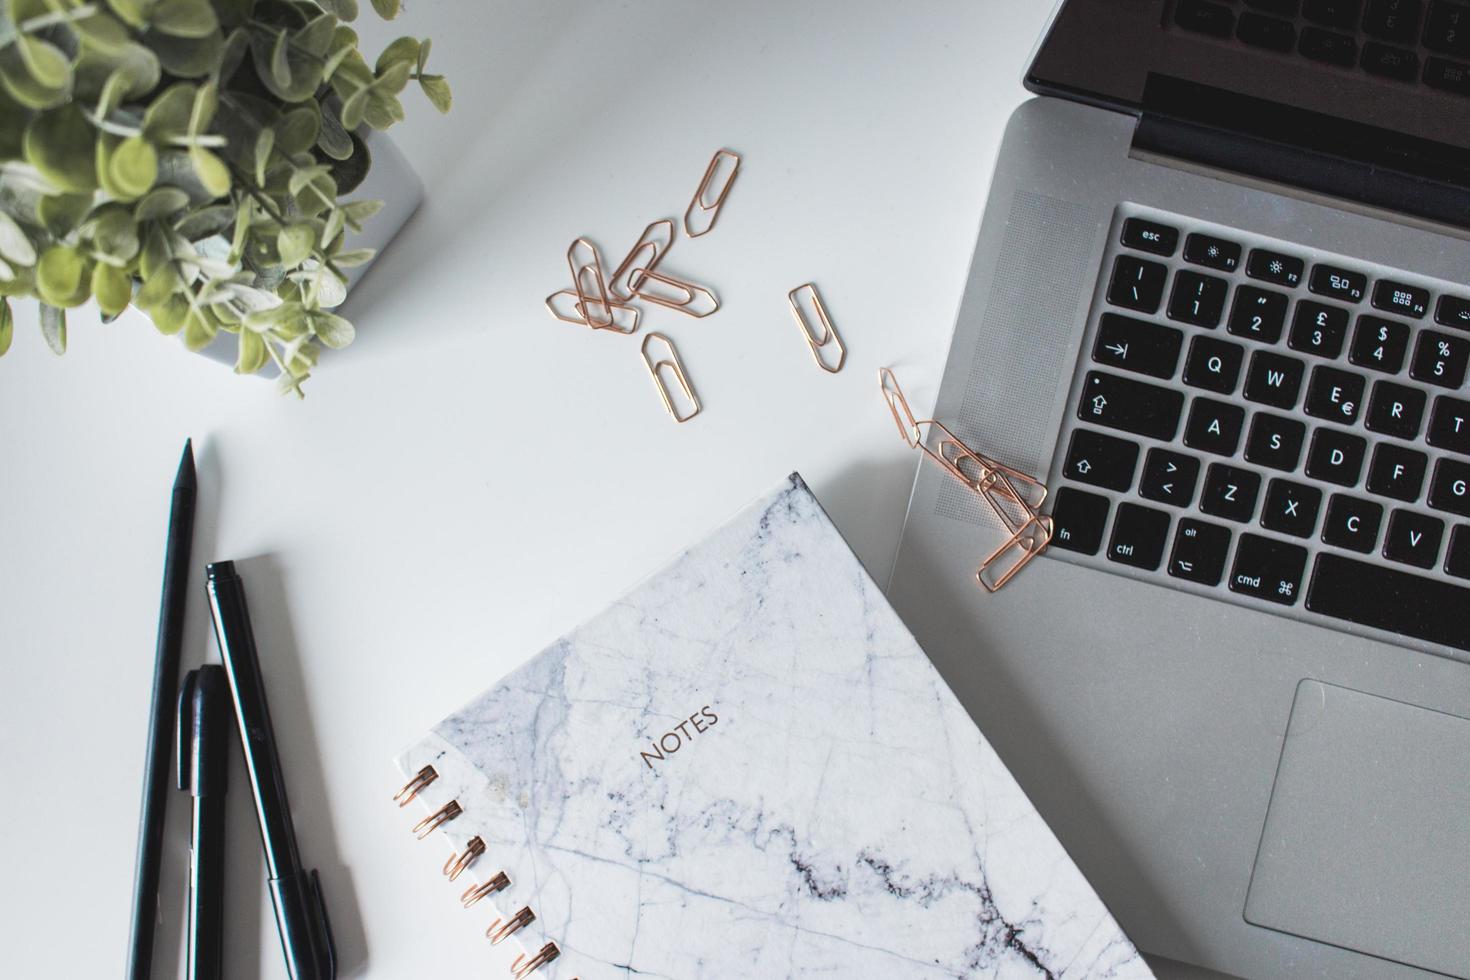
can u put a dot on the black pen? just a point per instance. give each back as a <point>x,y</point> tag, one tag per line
<point>301,914</point>
<point>204,726</point>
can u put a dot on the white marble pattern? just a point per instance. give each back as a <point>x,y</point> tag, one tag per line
<point>843,817</point>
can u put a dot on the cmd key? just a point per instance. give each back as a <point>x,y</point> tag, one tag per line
<point>1268,569</point>
<point>1133,406</point>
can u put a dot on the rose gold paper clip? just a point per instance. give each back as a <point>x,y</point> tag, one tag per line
<point>701,207</point>
<point>818,342</point>
<point>1013,496</point>
<point>670,363</point>
<point>655,241</point>
<point>593,303</point>
<point>685,297</point>
<point>616,317</point>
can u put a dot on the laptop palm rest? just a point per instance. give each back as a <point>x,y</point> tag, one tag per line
<point>1367,837</point>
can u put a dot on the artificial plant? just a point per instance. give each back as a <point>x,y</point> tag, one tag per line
<point>186,157</point>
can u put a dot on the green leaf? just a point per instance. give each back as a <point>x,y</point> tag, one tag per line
<point>21,82</point>
<point>405,49</point>
<point>102,32</point>
<point>394,78</point>
<point>437,89</point>
<point>112,287</point>
<point>387,9</point>
<point>206,222</point>
<point>167,115</point>
<point>134,12</point>
<point>199,330</point>
<point>354,257</point>
<point>382,110</point>
<point>358,212</point>
<point>114,235</point>
<point>345,9</point>
<point>274,318</point>
<point>47,63</point>
<point>297,130</point>
<point>237,42</point>
<point>168,316</point>
<point>60,213</point>
<point>264,141</point>
<point>188,57</point>
<point>252,356</point>
<point>280,63</point>
<point>158,287</point>
<point>160,203</point>
<point>206,103</point>
<point>133,168</point>
<point>183,18</point>
<point>15,246</point>
<point>344,43</point>
<point>60,143</point>
<point>53,328</point>
<point>294,243</point>
<point>423,56</point>
<point>61,276</point>
<point>333,139</point>
<point>353,108</point>
<point>136,65</point>
<point>331,329</point>
<point>7,326</point>
<point>211,170</point>
<point>316,37</point>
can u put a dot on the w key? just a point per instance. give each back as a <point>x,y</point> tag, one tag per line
<point>1133,406</point>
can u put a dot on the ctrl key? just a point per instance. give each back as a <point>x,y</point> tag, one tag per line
<point>1138,536</point>
<point>1268,569</point>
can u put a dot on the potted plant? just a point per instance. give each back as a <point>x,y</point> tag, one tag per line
<point>188,157</point>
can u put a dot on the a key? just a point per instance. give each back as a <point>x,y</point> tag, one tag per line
<point>1138,536</point>
<point>1385,598</point>
<point>1291,508</point>
<point>1137,284</point>
<point>1327,47</point>
<point>1204,17</point>
<point>1197,298</point>
<point>1317,328</point>
<point>1450,489</point>
<point>1352,523</point>
<point>1102,460</point>
<point>1457,556</point>
<point>1440,359</point>
<point>1447,28</point>
<point>1207,250</point>
<point>1199,551</point>
<point>1269,266</point>
<point>1413,538</point>
<point>1213,364</point>
<point>1397,472</point>
<point>1335,395</point>
<point>1400,298</point>
<point>1396,63</point>
<point>1265,32</point>
<point>1338,283</point>
<point>1336,457</point>
<point>1453,311</point>
<point>1395,410</point>
<point>1448,76</point>
<point>1379,344</point>
<point>1268,569</point>
<point>1392,20</point>
<point>1274,379</point>
<point>1134,406</point>
<point>1259,314</point>
<point>1137,345</point>
<point>1279,8</point>
<point>1230,492</point>
<point>1168,477</point>
<point>1150,236</point>
<point>1449,425</point>
<point>1275,442</point>
<point>1214,427</point>
<point>1078,519</point>
<point>1333,13</point>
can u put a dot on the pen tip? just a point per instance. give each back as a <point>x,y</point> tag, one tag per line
<point>185,477</point>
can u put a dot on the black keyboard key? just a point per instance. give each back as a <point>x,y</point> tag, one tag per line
<point>1230,492</point>
<point>1259,314</point>
<point>1274,379</point>
<point>1449,425</point>
<point>1213,364</point>
<point>1457,558</point>
<point>1283,270</point>
<point>1327,47</point>
<point>1217,253</point>
<point>1392,20</point>
<point>1396,410</point>
<point>1169,477</point>
<point>1450,490</point>
<point>1447,76</point>
<point>1388,599</point>
<point>1339,283</point>
<point>1199,551</point>
<point>1386,62</point>
<point>1268,569</point>
<point>1197,298</point>
<point>1400,298</point>
<point>1440,359</point>
<point>1205,18</point>
<point>1214,427</point>
<point>1453,311</point>
<point>1341,14</point>
<point>1102,460</point>
<point>1413,539</point>
<point>1317,328</point>
<point>1137,345</point>
<point>1265,32</point>
<point>1447,28</point>
<point>1138,537</point>
<point>1352,523</point>
<point>1278,8</point>
<point>1078,519</point>
<point>1291,508</point>
<point>1379,344</point>
<point>1275,442</point>
<point>1133,406</point>
<point>1335,395</point>
<point>1336,457</point>
<point>1137,284</point>
<point>1150,236</point>
<point>1397,472</point>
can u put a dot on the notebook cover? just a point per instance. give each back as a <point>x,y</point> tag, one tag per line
<point>747,767</point>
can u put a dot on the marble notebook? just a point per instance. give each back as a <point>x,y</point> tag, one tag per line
<point>746,767</point>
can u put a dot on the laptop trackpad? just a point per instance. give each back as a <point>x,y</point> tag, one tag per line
<point>1367,837</point>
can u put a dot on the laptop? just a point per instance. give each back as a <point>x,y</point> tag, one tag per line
<point>1220,304</point>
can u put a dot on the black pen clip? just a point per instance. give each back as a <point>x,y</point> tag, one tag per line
<point>326,925</point>
<point>184,740</point>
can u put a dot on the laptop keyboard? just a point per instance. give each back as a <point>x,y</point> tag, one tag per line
<point>1403,40</point>
<point>1273,425</point>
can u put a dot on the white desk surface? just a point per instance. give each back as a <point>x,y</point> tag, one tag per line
<point>472,478</point>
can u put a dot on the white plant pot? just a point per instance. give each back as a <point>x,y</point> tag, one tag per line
<point>390,179</point>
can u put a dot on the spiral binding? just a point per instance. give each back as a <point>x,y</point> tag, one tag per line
<point>503,927</point>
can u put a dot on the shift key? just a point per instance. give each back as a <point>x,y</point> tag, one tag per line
<point>1133,406</point>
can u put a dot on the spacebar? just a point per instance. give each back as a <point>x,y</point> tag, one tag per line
<point>1371,595</point>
